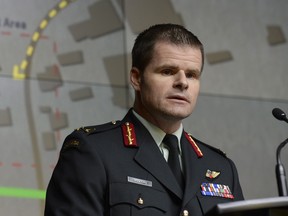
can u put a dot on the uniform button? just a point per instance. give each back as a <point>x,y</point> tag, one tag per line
<point>140,201</point>
<point>185,213</point>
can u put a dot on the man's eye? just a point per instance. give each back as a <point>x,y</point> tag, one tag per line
<point>167,72</point>
<point>192,75</point>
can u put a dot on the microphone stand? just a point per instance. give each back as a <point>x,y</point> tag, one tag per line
<point>280,171</point>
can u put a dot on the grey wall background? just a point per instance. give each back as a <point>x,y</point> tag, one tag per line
<point>76,75</point>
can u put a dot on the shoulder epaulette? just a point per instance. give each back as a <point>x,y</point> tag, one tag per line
<point>99,128</point>
<point>217,150</point>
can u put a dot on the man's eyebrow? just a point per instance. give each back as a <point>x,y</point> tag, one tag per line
<point>194,71</point>
<point>168,66</point>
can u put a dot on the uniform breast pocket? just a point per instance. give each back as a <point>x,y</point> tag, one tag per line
<point>208,202</point>
<point>128,199</point>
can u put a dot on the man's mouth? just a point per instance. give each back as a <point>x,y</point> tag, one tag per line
<point>178,98</point>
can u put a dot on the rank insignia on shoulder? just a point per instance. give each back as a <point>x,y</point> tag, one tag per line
<point>194,145</point>
<point>212,174</point>
<point>86,129</point>
<point>217,190</point>
<point>129,136</point>
<point>72,143</point>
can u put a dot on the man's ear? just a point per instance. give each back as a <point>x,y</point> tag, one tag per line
<point>135,78</point>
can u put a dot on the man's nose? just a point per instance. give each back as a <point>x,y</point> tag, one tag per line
<point>181,81</point>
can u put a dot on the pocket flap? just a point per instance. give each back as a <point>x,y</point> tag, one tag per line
<point>137,195</point>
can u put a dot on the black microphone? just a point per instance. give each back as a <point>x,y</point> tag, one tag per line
<point>280,170</point>
<point>279,114</point>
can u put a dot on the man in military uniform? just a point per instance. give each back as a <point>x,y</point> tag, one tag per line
<point>147,164</point>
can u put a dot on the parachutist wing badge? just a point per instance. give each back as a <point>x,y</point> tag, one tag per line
<point>212,174</point>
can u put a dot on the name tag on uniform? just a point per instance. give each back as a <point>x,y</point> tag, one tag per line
<point>139,181</point>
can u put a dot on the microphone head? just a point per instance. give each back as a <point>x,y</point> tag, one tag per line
<point>279,114</point>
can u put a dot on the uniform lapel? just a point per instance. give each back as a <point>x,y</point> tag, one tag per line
<point>150,158</point>
<point>192,170</point>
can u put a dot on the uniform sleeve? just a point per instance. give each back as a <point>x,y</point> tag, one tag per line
<point>78,183</point>
<point>237,190</point>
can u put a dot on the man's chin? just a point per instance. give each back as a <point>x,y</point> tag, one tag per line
<point>177,116</point>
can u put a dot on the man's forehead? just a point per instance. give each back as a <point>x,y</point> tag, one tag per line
<point>171,44</point>
<point>171,52</point>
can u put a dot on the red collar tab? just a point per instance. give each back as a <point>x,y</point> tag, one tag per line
<point>129,136</point>
<point>194,145</point>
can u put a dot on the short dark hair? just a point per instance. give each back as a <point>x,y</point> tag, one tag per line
<point>173,33</point>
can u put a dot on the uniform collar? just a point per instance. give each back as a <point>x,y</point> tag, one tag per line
<point>158,134</point>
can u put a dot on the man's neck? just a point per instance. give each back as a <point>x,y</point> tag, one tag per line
<point>167,126</point>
